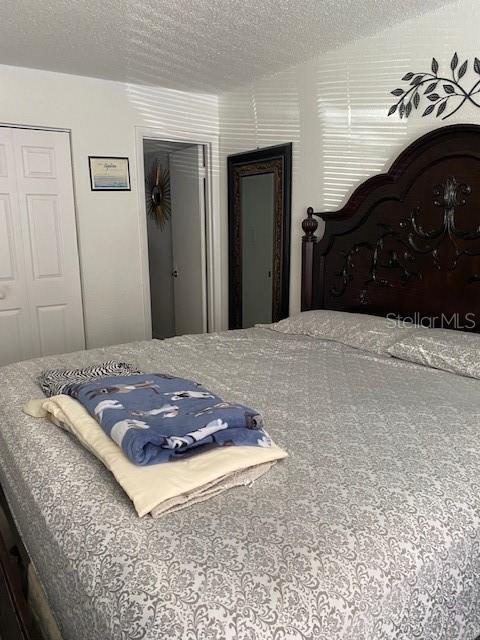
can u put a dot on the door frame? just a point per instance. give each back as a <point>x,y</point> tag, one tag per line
<point>212,257</point>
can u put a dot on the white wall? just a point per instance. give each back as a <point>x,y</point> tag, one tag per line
<point>102,117</point>
<point>334,109</point>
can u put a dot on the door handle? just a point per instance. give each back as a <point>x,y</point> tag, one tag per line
<point>3,294</point>
<point>175,273</point>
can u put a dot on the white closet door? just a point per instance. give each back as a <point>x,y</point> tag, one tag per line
<point>46,241</point>
<point>15,327</point>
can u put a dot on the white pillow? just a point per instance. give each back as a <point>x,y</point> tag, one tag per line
<point>362,331</point>
<point>454,351</point>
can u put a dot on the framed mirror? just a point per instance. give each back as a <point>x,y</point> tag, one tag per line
<point>259,211</point>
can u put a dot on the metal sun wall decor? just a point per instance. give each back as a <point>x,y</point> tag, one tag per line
<point>439,90</point>
<point>159,204</point>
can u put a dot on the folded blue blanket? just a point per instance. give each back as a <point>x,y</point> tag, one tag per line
<point>158,418</point>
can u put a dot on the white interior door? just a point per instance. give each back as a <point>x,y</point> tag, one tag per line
<point>187,184</point>
<point>40,295</point>
<point>15,330</point>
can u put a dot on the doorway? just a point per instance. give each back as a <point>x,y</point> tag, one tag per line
<point>175,211</point>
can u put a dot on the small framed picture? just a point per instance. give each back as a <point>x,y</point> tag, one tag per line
<point>109,173</point>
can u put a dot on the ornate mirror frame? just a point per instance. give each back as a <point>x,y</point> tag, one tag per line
<point>276,160</point>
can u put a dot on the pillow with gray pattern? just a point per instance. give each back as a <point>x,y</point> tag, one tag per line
<point>454,351</point>
<point>358,330</point>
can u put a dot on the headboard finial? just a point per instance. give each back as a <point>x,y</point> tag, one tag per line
<point>309,226</point>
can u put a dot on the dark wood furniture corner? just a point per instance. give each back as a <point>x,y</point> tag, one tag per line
<point>16,620</point>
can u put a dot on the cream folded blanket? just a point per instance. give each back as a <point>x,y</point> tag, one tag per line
<point>160,488</point>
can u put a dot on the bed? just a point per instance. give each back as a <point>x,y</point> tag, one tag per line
<point>370,530</point>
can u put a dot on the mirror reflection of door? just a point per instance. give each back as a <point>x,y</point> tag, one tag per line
<point>259,230</point>
<point>257,202</point>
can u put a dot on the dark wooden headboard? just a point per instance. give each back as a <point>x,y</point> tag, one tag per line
<point>406,242</point>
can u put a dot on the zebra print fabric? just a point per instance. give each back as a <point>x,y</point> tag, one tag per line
<point>54,381</point>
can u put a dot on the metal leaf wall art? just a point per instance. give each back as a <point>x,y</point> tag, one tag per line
<point>445,95</point>
<point>157,189</point>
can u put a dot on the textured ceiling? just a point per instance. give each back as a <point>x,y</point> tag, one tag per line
<point>201,45</point>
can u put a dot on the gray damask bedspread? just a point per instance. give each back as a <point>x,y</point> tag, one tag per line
<point>369,531</point>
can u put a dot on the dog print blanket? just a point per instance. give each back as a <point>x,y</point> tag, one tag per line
<point>157,489</point>
<point>157,418</point>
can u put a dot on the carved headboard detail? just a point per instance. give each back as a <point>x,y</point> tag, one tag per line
<point>406,242</point>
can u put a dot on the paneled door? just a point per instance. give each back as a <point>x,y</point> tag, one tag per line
<point>40,296</point>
